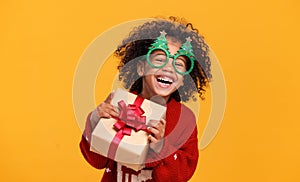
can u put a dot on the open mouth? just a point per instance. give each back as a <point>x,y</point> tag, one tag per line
<point>165,81</point>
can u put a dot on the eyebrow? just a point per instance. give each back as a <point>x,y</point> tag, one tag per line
<point>183,58</point>
<point>159,52</point>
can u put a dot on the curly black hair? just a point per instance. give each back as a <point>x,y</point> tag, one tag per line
<point>136,45</point>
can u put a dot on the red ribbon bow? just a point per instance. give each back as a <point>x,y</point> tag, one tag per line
<point>130,118</point>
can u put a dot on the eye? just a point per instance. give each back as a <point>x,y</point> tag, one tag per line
<point>158,58</point>
<point>180,62</point>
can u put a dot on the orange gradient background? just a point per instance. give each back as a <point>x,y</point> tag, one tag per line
<point>256,43</point>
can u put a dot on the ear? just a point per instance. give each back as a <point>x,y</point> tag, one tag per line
<point>140,68</point>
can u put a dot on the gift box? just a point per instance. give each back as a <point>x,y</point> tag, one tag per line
<point>125,139</point>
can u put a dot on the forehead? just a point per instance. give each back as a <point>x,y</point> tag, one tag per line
<point>173,41</point>
<point>173,44</point>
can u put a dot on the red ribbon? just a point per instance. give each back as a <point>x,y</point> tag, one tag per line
<point>130,118</point>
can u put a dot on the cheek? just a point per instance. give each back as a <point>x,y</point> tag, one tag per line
<point>181,80</point>
<point>144,69</point>
<point>149,70</point>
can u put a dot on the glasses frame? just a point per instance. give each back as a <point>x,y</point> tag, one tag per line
<point>174,57</point>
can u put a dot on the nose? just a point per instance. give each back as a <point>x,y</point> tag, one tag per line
<point>169,66</point>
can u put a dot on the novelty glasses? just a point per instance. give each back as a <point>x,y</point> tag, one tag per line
<point>158,55</point>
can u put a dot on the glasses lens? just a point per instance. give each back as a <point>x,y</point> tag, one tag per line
<point>182,64</point>
<point>158,58</point>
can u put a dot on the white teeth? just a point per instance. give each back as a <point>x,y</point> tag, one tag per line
<point>166,79</point>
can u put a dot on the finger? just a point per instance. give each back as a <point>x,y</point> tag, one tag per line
<point>113,113</point>
<point>152,139</point>
<point>163,121</point>
<point>159,126</point>
<point>156,124</point>
<point>109,97</point>
<point>104,115</point>
<point>107,106</point>
<point>108,111</point>
<point>153,123</point>
<point>154,131</point>
<point>104,105</point>
<point>116,109</point>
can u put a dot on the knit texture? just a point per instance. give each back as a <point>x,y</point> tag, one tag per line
<point>177,160</point>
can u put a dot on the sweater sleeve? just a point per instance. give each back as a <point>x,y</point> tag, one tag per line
<point>94,159</point>
<point>180,165</point>
<point>179,157</point>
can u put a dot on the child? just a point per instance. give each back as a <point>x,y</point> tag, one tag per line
<point>163,58</point>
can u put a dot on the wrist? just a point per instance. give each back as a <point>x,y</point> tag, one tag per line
<point>94,119</point>
<point>158,146</point>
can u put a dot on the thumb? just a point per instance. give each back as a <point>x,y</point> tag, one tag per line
<point>109,98</point>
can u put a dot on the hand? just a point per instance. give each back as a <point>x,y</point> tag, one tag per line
<point>157,128</point>
<point>104,110</point>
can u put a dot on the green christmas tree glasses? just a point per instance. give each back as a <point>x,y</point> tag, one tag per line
<point>158,55</point>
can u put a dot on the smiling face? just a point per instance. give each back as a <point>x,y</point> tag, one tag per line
<point>162,81</point>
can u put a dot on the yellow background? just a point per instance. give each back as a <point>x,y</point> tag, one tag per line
<point>257,45</point>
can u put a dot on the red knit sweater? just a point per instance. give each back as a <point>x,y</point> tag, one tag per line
<point>177,160</point>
